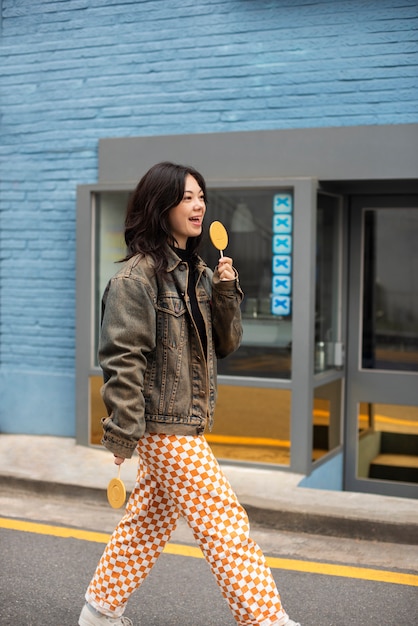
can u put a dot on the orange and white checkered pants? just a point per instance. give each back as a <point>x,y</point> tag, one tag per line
<point>180,476</point>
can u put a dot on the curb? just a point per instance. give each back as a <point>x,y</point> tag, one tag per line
<point>282,520</point>
<point>334,526</point>
<point>49,488</point>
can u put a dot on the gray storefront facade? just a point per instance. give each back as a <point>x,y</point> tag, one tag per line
<point>323,225</point>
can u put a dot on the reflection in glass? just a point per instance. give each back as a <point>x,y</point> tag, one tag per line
<point>388,442</point>
<point>328,347</point>
<point>248,216</point>
<point>110,243</point>
<point>326,419</point>
<point>238,436</point>
<point>109,217</point>
<point>390,290</point>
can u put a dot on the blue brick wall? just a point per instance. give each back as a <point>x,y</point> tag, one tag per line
<point>72,72</point>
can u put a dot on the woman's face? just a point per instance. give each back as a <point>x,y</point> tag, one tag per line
<point>186,218</point>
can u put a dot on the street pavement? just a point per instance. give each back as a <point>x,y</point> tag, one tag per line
<point>56,465</point>
<point>44,578</point>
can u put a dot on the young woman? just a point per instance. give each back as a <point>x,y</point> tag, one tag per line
<point>166,318</point>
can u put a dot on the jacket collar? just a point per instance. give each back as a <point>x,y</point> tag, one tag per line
<point>174,260</point>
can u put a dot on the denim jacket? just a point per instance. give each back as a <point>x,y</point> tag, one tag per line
<point>157,378</point>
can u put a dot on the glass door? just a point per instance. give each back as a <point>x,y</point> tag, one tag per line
<point>382,347</point>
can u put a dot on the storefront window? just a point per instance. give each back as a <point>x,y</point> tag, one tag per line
<point>259,224</point>
<point>387,442</point>
<point>109,248</point>
<point>390,295</point>
<point>237,435</point>
<point>326,418</point>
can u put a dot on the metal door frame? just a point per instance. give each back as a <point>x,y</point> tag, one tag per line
<point>382,386</point>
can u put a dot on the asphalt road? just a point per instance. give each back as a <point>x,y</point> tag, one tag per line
<point>44,573</point>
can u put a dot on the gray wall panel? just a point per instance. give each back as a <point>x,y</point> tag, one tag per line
<point>351,153</point>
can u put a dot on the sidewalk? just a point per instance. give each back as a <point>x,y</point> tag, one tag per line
<point>57,466</point>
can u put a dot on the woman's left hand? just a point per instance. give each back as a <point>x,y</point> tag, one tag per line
<point>225,269</point>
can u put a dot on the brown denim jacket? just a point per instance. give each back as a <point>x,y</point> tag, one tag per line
<point>157,378</point>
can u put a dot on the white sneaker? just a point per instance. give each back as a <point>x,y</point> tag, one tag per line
<point>90,617</point>
<point>292,623</point>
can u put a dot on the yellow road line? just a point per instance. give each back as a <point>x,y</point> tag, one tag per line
<point>345,571</point>
<point>311,567</point>
<point>55,531</point>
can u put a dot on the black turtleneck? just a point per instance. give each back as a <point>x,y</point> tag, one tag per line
<point>187,257</point>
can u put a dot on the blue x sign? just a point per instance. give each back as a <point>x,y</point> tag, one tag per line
<point>281,284</point>
<point>282,264</point>
<point>282,203</point>
<point>282,223</point>
<point>282,244</point>
<point>280,305</point>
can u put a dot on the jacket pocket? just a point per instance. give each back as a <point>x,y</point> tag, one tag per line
<point>174,381</point>
<point>171,321</point>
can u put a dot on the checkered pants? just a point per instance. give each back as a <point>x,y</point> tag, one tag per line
<point>180,475</point>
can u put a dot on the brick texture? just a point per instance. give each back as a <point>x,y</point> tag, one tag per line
<point>72,72</point>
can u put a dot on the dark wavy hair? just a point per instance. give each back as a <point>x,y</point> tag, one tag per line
<point>147,229</point>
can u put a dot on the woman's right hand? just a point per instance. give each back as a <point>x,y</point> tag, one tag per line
<point>225,269</point>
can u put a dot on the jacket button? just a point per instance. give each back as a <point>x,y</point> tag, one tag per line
<point>202,394</point>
